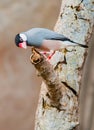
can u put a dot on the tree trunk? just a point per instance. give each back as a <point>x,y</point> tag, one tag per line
<point>58,107</point>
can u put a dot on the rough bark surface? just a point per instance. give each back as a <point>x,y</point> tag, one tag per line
<point>75,21</point>
<point>56,98</point>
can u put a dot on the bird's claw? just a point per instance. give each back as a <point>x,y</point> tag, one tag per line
<point>48,55</point>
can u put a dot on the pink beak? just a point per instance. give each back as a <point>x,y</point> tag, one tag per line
<point>23,45</point>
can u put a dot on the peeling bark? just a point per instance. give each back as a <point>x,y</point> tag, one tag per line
<point>54,86</point>
<point>56,98</point>
<point>58,107</point>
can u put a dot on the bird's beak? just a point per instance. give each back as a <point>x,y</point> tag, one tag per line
<point>23,45</point>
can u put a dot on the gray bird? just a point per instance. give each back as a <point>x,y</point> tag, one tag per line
<point>44,39</point>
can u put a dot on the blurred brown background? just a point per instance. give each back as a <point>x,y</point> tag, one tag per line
<point>87,91</point>
<point>19,85</point>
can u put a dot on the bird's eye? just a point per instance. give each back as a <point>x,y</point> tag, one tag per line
<point>21,40</point>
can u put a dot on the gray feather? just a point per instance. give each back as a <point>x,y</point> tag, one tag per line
<point>36,36</point>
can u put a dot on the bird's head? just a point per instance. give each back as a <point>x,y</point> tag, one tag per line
<point>21,40</point>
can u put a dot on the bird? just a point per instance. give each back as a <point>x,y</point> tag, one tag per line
<point>46,40</point>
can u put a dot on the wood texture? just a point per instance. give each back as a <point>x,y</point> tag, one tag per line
<point>76,22</point>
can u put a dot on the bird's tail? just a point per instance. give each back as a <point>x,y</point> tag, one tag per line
<point>81,45</point>
<point>68,42</point>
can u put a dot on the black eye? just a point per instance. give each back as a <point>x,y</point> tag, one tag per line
<point>21,40</point>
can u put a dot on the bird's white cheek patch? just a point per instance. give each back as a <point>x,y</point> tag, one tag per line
<point>23,45</point>
<point>23,36</point>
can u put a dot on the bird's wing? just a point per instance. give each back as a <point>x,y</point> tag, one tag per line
<point>67,39</point>
<point>60,38</point>
<point>56,36</point>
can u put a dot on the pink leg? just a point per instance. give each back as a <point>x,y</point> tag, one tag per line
<point>50,54</point>
<point>44,53</point>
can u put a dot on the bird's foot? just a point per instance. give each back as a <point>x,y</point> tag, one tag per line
<point>51,54</point>
<point>44,53</point>
<point>48,55</point>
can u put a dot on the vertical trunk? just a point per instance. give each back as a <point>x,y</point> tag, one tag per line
<point>76,22</point>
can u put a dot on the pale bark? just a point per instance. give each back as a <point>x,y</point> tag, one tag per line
<point>75,21</point>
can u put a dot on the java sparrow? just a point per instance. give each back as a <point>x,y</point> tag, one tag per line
<point>44,39</point>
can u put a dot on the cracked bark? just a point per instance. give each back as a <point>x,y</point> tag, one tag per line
<point>54,86</point>
<point>58,107</point>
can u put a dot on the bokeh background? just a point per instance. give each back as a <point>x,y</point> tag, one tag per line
<point>19,85</point>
